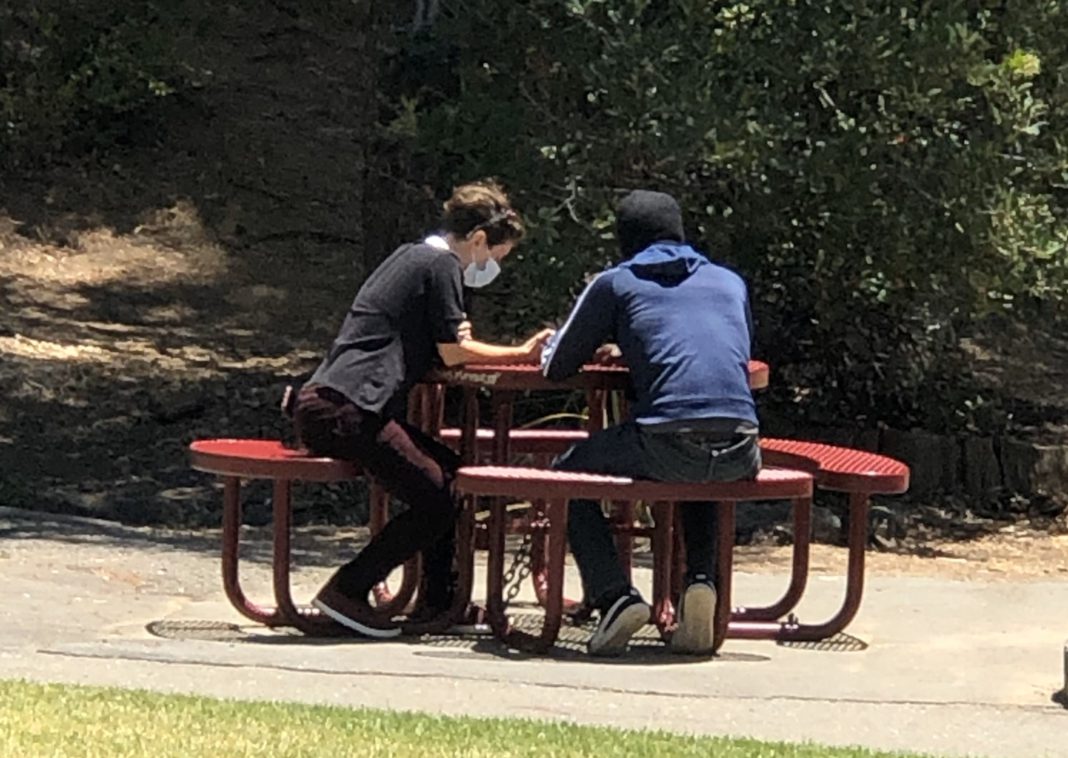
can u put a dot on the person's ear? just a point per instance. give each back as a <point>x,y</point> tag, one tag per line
<point>478,238</point>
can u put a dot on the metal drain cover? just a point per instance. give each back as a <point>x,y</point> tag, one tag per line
<point>195,629</point>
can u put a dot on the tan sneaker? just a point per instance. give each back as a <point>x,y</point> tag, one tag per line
<point>696,630</point>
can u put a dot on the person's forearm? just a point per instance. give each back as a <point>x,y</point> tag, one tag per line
<point>473,351</point>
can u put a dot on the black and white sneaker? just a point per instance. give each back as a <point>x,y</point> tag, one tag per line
<point>353,614</point>
<point>696,630</point>
<point>618,624</point>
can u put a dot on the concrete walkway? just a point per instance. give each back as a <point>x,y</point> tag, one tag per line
<point>948,668</point>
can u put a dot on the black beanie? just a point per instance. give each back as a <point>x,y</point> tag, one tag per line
<point>644,217</point>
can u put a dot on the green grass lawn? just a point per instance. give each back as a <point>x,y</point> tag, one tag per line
<point>58,720</point>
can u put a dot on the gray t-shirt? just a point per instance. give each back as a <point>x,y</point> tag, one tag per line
<point>412,302</point>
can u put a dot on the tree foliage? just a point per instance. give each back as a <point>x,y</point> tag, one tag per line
<point>80,74</point>
<point>882,174</point>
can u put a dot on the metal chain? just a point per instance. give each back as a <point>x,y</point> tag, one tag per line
<point>520,569</point>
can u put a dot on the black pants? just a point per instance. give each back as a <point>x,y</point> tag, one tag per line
<point>411,466</point>
<point>631,450</point>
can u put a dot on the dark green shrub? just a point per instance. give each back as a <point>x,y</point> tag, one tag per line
<point>80,71</point>
<point>882,174</point>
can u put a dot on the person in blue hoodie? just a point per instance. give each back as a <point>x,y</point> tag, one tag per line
<point>683,327</point>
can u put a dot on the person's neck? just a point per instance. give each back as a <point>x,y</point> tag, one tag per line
<point>461,248</point>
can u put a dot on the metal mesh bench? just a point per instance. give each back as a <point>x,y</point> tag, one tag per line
<point>834,467</point>
<point>842,469</point>
<point>556,488</point>
<point>235,460</point>
<point>858,473</point>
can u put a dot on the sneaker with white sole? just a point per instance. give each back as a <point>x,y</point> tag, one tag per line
<point>352,614</point>
<point>696,630</point>
<point>618,624</point>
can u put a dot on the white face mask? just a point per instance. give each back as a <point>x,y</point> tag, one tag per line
<point>480,276</point>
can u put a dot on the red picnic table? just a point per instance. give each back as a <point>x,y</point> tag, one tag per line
<point>504,382</point>
<point>858,473</point>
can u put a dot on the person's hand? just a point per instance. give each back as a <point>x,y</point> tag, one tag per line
<point>608,355</point>
<point>531,349</point>
<point>463,332</point>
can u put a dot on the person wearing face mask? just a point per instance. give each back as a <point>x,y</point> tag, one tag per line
<point>407,318</point>
<point>683,327</point>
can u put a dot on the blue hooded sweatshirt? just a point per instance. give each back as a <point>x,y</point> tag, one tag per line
<point>683,326</point>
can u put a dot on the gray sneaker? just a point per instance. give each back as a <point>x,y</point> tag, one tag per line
<point>696,630</point>
<point>618,624</point>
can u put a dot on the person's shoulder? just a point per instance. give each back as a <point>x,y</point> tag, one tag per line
<point>419,249</point>
<point>604,281</point>
<point>727,272</point>
<point>424,254</point>
<point>610,274</point>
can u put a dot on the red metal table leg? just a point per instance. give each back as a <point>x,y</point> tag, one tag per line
<point>435,410</point>
<point>283,516</point>
<point>663,563</point>
<point>307,620</point>
<point>724,570</point>
<point>378,500</point>
<point>503,403</point>
<point>465,564</point>
<point>597,401</point>
<point>462,610</point>
<point>678,569</point>
<point>425,402</point>
<point>386,601</point>
<point>425,407</point>
<point>231,555</point>
<point>415,404</point>
<point>556,538</point>
<point>557,550</point>
<point>497,524</point>
<point>469,427</point>
<point>393,604</point>
<point>802,511</point>
<point>792,631</point>
<point>539,557</point>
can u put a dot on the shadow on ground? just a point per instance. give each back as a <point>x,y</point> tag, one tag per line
<point>312,546</point>
<point>646,648</point>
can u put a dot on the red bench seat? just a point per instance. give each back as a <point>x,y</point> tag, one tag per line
<point>858,473</point>
<point>836,468</point>
<point>267,459</point>
<point>840,468</point>
<point>237,459</point>
<point>555,488</point>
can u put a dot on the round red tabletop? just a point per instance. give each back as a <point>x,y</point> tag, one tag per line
<point>529,377</point>
<point>266,459</point>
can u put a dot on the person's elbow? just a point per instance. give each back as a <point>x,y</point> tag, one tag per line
<point>452,354</point>
<point>555,370</point>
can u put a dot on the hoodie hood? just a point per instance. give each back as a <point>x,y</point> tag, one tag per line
<point>644,217</point>
<point>668,262</point>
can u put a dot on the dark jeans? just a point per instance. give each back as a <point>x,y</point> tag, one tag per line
<point>409,465</point>
<point>630,450</point>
